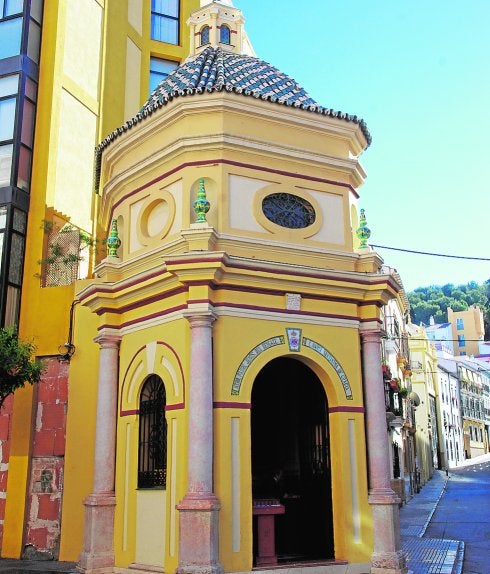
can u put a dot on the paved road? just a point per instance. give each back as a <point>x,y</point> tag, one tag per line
<point>463,513</point>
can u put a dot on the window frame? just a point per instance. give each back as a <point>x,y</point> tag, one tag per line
<point>168,17</point>
<point>222,41</point>
<point>152,466</point>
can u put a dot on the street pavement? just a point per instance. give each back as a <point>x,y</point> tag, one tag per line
<point>464,513</point>
<point>445,528</point>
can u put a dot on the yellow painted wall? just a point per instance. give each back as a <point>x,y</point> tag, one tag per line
<point>81,98</point>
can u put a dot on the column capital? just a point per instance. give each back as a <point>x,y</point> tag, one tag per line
<point>200,317</point>
<point>108,341</point>
<point>371,335</point>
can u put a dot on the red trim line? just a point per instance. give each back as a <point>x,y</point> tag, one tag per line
<point>101,289</point>
<point>236,265</point>
<point>175,407</point>
<point>177,358</point>
<point>231,405</point>
<point>286,311</point>
<point>346,410</point>
<point>127,413</point>
<point>235,164</point>
<point>141,302</point>
<point>145,318</point>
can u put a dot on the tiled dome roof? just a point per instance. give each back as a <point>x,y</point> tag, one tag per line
<point>214,70</point>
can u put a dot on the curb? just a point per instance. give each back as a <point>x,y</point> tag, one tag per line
<point>431,514</point>
<point>458,564</point>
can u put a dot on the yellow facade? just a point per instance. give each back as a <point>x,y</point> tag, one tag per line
<point>468,330</point>
<point>84,70</point>
<point>259,279</point>
<point>425,385</point>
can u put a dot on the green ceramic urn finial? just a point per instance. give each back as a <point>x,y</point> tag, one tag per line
<point>113,242</point>
<point>363,232</point>
<point>201,205</point>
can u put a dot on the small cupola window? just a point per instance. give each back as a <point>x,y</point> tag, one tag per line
<point>224,34</point>
<point>204,35</point>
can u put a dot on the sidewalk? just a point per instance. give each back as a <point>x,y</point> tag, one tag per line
<point>428,555</point>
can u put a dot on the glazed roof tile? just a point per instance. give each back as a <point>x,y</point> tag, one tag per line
<point>215,70</point>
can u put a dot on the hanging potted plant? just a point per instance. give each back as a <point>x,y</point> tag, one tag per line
<point>386,371</point>
<point>395,384</point>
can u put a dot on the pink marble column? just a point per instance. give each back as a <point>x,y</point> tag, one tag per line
<point>198,510</point>
<point>98,538</point>
<point>388,557</point>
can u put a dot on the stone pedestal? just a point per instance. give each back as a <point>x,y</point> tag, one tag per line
<point>198,510</point>
<point>98,551</point>
<point>388,557</point>
<point>198,534</point>
<point>98,536</point>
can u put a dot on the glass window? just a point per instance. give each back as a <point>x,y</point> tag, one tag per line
<point>20,221</point>
<point>11,7</point>
<point>37,10</point>
<point>27,131</point>
<point>3,217</point>
<point>24,171</point>
<point>165,21</point>
<point>461,341</point>
<point>204,35</point>
<point>5,164</point>
<point>2,235</point>
<point>11,35</point>
<point>16,259</point>
<point>459,324</point>
<point>7,118</point>
<point>224,34</point>
<point>34,41</point>
<point>31,89</point>
<point>12,306</point>
<point>159,70</point>
<point>9,85</point>
<point>152,450</point>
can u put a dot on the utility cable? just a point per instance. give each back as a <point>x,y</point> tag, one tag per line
<point>433,254</point>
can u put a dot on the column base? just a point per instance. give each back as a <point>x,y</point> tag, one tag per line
<point>388,557</point>
<point>98,537</point>
<point>389,563</point>
<point>198,534</point>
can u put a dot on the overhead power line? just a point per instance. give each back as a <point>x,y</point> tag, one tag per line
<point>432,254</point>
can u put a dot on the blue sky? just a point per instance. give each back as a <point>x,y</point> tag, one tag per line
<point>419,74</point>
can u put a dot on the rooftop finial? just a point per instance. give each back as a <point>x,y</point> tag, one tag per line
<point>363,232</point>
<point>201,205</point>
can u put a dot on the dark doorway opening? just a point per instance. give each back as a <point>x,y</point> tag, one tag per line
<point>291,458</point>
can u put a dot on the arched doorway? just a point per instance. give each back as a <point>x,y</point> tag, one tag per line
<point>291,458</point>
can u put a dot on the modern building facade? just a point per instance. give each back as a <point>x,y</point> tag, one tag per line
<point>473,390</point>
<point>468,330</point>
<point>223,362</point>
<point>424,384</point>
<point>450,420</point>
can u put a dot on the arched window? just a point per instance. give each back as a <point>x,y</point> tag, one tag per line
<point>224,34</point>
<point>204,35</point>
<point>152,451</point>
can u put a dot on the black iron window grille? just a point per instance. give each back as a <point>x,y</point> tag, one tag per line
<point>288,210</point>
<point>152,452</point>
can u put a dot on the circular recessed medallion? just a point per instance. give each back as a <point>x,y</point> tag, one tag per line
<point>288,210</point>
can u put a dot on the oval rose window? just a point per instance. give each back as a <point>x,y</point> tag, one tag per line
<point>288,210</point>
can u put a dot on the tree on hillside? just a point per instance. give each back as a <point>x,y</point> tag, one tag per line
<point>17,365</point>
<point>433,301</point>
